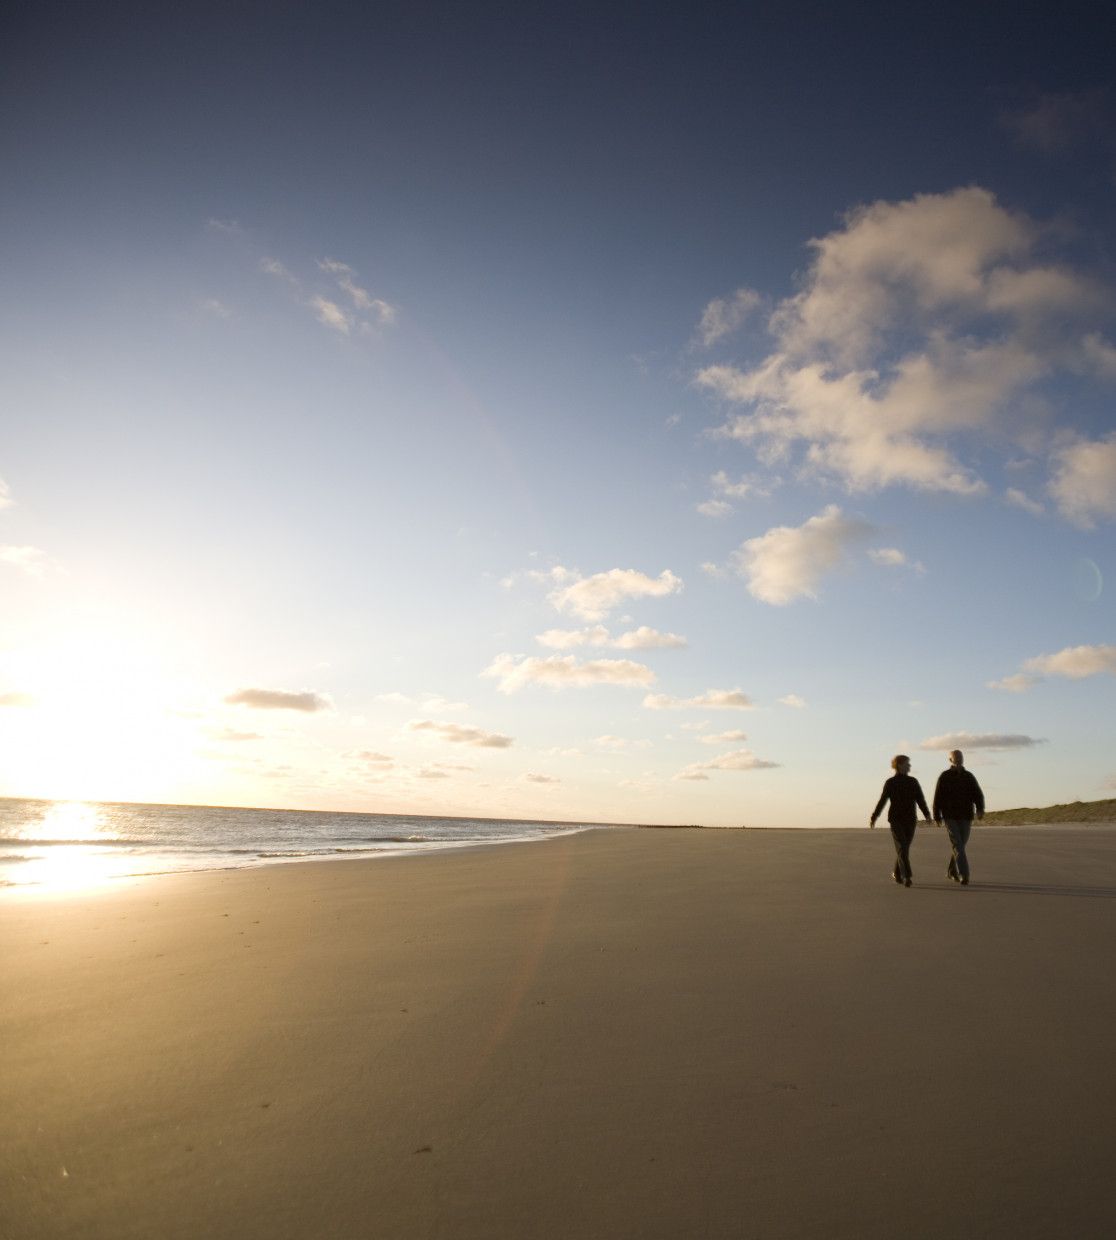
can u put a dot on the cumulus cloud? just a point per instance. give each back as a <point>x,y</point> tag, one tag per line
<point>1084,481</point>
<point>460,735</point>
<point>592,598</point>
<point>279,699</point>
<point>788,562</point>
<point>793,701</point>
<point>887,557</point>
<point>1075,662</point>
<point>715,508</point>
<point>564,671</point>
<point>724,738</point>
<point>734,760</point>
<point>918,322</point>
<point>724,315</point>
<point>711,699</point>
<point>992,741</point>
<point>642,638</point>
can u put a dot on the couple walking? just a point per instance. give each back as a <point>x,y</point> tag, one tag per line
<point>956,797</point>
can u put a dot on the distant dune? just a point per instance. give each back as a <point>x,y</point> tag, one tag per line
<point>1076,811</point>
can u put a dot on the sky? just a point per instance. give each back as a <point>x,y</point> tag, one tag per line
<point>612,412</point>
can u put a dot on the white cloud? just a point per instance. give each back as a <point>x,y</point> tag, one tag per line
<point>383,313</point>
<point>724,315</point>
<point>592,598</point>
<point>6,500</point>
<point>1020,499</point>
<point>1019,683</point>
<point>230,227</point>
<point>457,734</point>
<point>372,758</point>
<point>330,313</point>
<point>715,508</point>
<point>723,485</point>
<point>887,557</point>
<point>644,638</point>
<point>1084,482</point>
<point>793,701</point>
<point>16,699</point>
<point>1075,662</point>
<point>734,760</point>
<point>789,561</point>
<point>562,671</point>
<point>918,322</point>
<point>992,741</point>
<point>431,703</point>
<point>273,267</point>
<point>712,699</point>
<point>712,570</point>
<point>724,738</point>
<point>532,778</point>
<point>279,699</point>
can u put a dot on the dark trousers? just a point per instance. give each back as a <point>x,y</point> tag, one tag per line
<point>903,835</point>
<point>958,831</point>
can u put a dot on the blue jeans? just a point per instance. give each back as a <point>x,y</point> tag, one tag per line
<point>958,831</point>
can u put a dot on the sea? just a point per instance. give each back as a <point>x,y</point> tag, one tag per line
<point>58,844</point>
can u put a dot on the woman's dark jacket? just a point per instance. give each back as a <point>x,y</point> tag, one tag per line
<point>904,793</point>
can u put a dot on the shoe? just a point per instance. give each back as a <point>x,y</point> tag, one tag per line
<point>906,882</point>
<point>896,879</point>
<point>963,881</point>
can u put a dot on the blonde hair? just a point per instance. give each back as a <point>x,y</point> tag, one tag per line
<point>899,757</point>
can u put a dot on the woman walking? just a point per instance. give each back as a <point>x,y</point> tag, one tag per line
<point>905,794</point>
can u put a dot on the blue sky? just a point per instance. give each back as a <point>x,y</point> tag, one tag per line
<point>608,413</point>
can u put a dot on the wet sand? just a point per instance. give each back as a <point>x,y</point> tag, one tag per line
<point>644,1034</point>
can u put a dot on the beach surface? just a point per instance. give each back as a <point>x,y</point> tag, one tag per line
<point>630,1033</point>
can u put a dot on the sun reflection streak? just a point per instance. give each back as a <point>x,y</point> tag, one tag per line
<point>62,853</point>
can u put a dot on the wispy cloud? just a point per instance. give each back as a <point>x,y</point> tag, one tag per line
<point>711,699</point>
<point>715,508</point>
<point>279,699</point>
<point>229,227</point>
<point>215,307</point>
<point>918,324</point>
<point>458,734</point>
<point>724,315</point>
<point>381,312</point>
<point>734,760</point>
<point>724,738</point>
<point>533,777</point>
<point>6,500</point>
<point>992,741</point>
<point>330,313</point>
<point>642,638</point>
<point>30,560</point>
<point>793,701</point>
<point>564,671</point>
<point>273,267</point>
<point>1020,499</point>
<point>428,703</point>
<point>788,562</point>
<point>1056,122</point>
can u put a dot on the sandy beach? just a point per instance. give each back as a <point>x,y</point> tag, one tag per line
<point>614,1034</point>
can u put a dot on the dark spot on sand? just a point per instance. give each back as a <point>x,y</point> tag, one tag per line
<point>265,1105</point>
<point>425,1149</point>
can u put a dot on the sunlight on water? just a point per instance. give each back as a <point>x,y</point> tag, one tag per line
<point>74,861</point>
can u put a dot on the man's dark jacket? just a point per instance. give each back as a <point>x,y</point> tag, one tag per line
<point>957,795</point>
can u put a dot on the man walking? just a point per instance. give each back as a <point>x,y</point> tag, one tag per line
<point>956,796</point>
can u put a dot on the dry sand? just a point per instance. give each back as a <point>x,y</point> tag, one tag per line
<point>618,1034</point>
